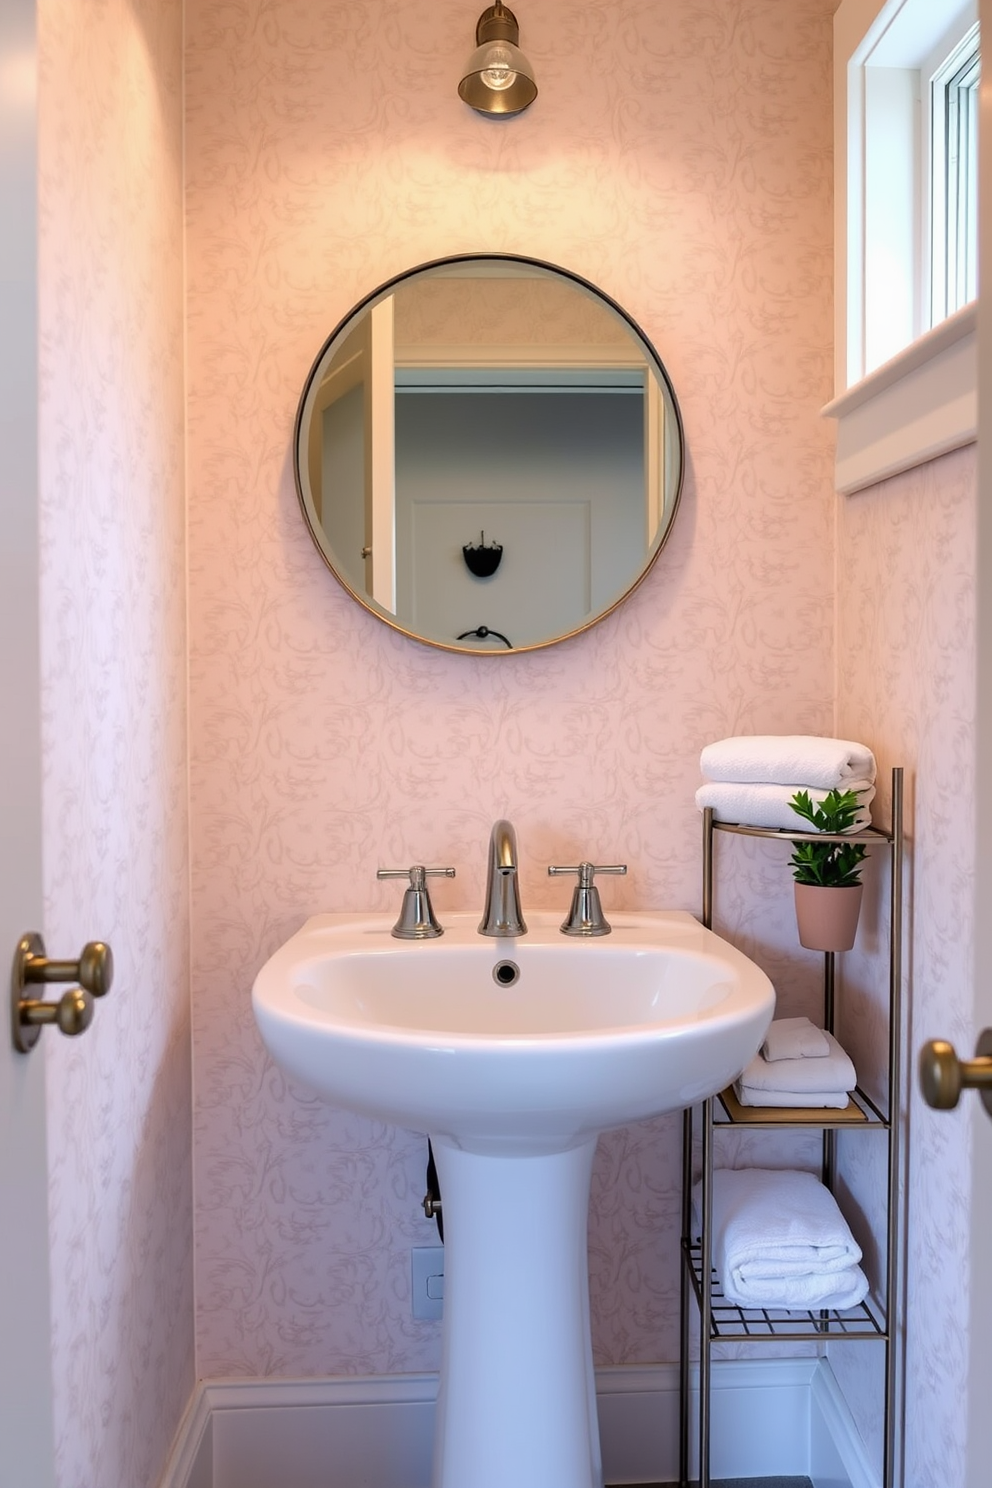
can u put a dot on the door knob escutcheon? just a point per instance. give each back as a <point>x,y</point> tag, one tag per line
<point>943,1075</point>
<point>94,971</point>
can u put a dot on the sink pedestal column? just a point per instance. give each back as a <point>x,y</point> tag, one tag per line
<point>517,1400</point>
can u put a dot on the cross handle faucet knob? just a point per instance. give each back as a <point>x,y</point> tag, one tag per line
<point>586,915</point>
<point>417,920</point>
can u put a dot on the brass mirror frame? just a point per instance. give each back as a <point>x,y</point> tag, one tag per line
<point>347,323</point>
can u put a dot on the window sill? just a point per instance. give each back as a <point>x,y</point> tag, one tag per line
<point>921,404</point>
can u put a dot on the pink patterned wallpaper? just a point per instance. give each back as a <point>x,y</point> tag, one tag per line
<point>692,182</point>
<point>114,699</point>
<point>689,176</point>
<point>906,657</point>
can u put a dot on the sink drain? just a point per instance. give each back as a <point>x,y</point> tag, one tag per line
<point>505,973</point>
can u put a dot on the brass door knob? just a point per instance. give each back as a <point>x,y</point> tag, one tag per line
<point>943,1075</point>
<point>73,1013</point>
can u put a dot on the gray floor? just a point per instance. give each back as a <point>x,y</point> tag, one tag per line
<point>761,1483</point>
<point>741,1483</point>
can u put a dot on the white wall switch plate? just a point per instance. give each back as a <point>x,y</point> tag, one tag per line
<point>427,1280</point>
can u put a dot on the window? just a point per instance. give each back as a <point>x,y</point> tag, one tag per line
<point>912,162</point>
<point>906,114</point>
<point>954,178</point>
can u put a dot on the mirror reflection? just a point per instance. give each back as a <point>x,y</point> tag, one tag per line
<point>488,454</point>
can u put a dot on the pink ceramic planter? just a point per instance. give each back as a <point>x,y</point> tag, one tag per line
<point>827,917</point>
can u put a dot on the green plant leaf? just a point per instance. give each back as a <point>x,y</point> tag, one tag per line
<point>828,864</point>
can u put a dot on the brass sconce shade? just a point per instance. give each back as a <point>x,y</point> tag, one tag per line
<point>498,78</point>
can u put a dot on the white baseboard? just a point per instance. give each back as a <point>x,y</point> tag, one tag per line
<point>191,1463</point>
<point>837,1452</point>
<point>768,1417</point>
<point>759,1420</point>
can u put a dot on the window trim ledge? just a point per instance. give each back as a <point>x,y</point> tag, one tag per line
<point>920,404</point>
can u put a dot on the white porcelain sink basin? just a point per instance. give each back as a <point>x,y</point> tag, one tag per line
<point>592,1033</point>
<point>513,1081</point>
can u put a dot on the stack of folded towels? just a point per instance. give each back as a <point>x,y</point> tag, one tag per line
<point>751,779</point>
<point>780,1241</point>
<point>797,1065</point>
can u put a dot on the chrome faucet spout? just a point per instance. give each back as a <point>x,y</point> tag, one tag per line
<point>503,916</point>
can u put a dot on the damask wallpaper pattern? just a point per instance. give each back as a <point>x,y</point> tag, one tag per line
<point>905,663</point>
<point>688,176</point>
<point>114,729</point>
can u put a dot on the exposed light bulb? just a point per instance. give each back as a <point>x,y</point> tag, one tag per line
<point>498,72</point>
<point>498,80</point>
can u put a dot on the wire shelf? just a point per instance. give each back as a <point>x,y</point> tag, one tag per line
<point>730,1323</point>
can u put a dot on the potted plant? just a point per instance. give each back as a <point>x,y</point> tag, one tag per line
<point>828,884</point>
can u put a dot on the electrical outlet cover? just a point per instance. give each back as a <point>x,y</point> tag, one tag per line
<point>427,1280</point>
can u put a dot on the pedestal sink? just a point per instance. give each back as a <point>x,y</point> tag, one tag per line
<point>513,1055</point>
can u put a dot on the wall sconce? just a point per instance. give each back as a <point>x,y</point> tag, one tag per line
<point>482,560</point>
<point>498,78</point>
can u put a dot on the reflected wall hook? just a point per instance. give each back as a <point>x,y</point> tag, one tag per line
<point>483,633</point>
<point>483,561</point>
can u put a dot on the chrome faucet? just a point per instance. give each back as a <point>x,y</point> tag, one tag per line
<point>503,916</point>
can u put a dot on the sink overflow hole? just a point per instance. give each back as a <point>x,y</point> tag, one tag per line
<point>505,973</point>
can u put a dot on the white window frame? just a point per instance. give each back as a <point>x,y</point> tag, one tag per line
<point>952,281</point>
<point>922,400</point>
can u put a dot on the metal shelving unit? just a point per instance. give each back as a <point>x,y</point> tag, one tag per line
<point>876,1317</point>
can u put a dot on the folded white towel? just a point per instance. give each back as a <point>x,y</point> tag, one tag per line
<point>834,1072</point>
<point>794,1038</point>
<point>768,805</point>
<point>788,759</point>
<point>827,1100</point>
<point>780,1241</point>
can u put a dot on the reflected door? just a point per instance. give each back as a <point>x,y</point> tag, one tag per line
<point>555,476</point>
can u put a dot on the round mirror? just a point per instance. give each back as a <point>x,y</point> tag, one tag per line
<point>488,454</point>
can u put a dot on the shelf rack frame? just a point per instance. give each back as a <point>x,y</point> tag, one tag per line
<point>720,1321</point>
